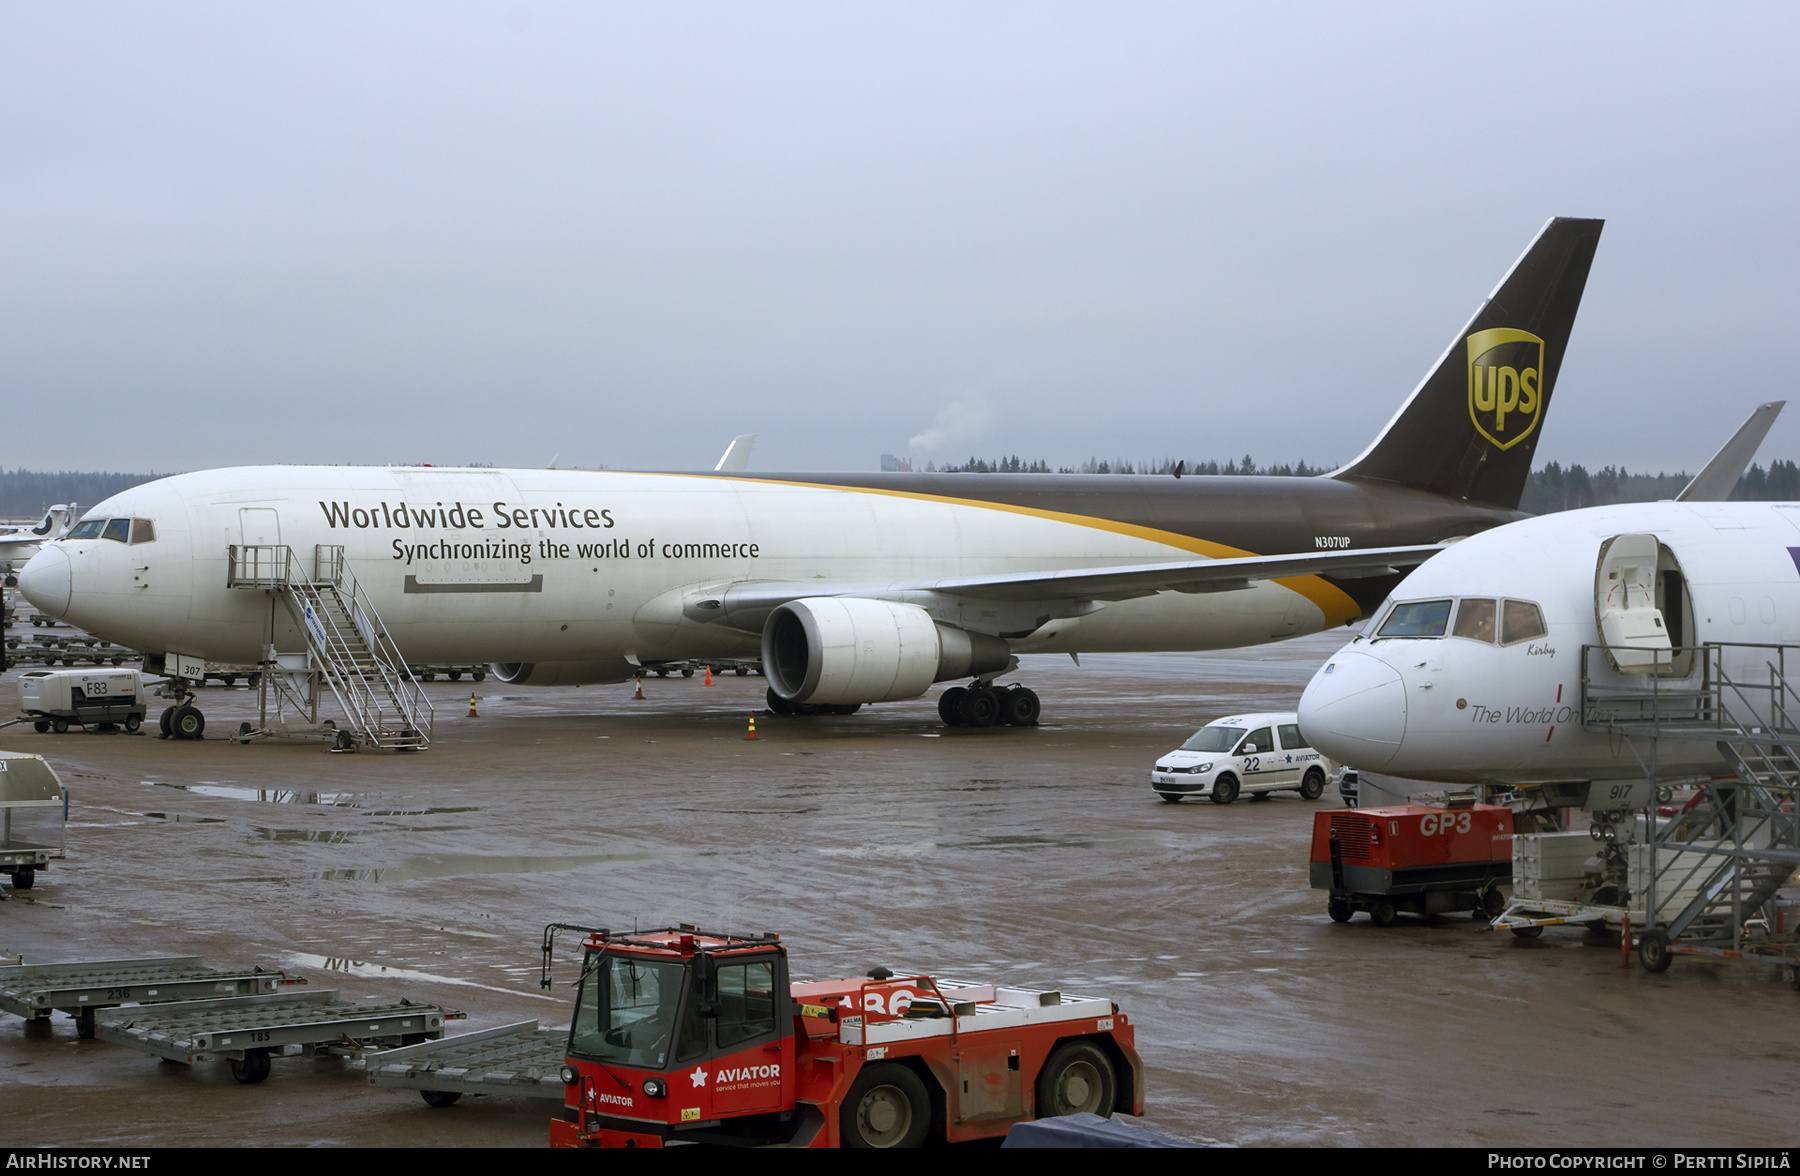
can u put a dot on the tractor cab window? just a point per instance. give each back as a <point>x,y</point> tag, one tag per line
<point>1418,618</point>
<point>626,1011</point>
<point>746,1002</point>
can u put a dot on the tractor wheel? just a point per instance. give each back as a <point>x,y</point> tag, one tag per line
<point>1078,1079</point>
<point>60,726</point>
<point>887,1107</point>
<point>1339,909</point>
<point>1383,914</point>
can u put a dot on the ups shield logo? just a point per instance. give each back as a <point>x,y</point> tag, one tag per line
<point>1505,377</point>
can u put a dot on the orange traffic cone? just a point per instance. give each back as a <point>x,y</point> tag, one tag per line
<point>639,696</point>
<point>752,734</point>
<point>472,713</point>
<point>708,681</point>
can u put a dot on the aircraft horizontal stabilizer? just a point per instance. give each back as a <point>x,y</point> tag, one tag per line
<point>1720,477</point>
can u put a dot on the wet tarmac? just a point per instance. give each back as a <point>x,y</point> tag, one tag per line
<point>1036,857</point>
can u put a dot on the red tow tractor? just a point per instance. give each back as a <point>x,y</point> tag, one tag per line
<point>682,1036</point>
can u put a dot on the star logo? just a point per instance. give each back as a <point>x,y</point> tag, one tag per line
<point>699,1077</point>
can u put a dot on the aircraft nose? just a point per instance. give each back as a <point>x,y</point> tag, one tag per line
<point>46,580</point>
<point>1354,710</point>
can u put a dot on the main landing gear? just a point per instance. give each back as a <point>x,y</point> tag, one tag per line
<point>986,705</point>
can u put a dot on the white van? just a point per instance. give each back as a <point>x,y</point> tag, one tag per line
<point>1247,755</point>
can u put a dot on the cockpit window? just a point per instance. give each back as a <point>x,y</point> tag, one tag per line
<point>1475,620</point>
<point>1375,618</point>
<point>1419,618</point>
<point>1521,620</point>
<point>119,530</point>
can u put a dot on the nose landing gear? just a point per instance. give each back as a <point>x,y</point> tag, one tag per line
<point>183,720</point>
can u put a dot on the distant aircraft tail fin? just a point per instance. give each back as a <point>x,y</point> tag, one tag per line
<point>1471,426</point>
<point>1720,477</point>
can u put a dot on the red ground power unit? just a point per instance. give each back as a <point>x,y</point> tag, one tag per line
<point>1413,858</point>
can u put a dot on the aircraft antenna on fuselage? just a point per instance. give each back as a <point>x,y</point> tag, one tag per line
<point>1469,429</point>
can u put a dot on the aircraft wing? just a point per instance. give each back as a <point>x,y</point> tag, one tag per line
<point>747,605</point>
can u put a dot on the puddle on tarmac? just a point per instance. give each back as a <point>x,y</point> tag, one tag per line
<point>263,795</point>
<point>321,836</point>
<point>349,967</point>
<point>1018,842</point>
<point>421,812</point>
<point>450,865</point>
<point>185,819</point>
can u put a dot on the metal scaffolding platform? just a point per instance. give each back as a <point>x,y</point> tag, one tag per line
<point>1700,878</point>
<point>348,649</point>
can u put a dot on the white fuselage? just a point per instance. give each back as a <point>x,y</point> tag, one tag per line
<point>477,565</point>
<point>1466,709</point>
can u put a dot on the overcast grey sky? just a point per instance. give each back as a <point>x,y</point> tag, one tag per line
<point>621,234</point>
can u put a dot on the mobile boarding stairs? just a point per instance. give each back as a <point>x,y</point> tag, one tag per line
<point>348,649</point>
<point>1700,879</point>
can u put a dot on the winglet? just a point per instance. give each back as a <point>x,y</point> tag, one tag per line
<point>1720,477</point>
<point>737,454</point>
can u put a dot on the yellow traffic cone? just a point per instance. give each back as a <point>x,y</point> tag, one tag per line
<point>752,734</point>
<point>472,713</point>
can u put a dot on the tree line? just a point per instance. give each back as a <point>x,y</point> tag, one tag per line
<point>1550,488</point>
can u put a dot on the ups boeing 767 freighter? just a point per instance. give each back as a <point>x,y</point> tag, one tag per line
<point>850,588</point>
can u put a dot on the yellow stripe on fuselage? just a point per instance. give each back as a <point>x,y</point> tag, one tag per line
<point>1331,600</point>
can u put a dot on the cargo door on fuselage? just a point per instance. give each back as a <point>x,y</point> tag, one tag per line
<point>259,526</point>
<point>1632,627</point>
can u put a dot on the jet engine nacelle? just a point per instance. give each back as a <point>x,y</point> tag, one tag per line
<point>562,673</point>
<point>843,649</point>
